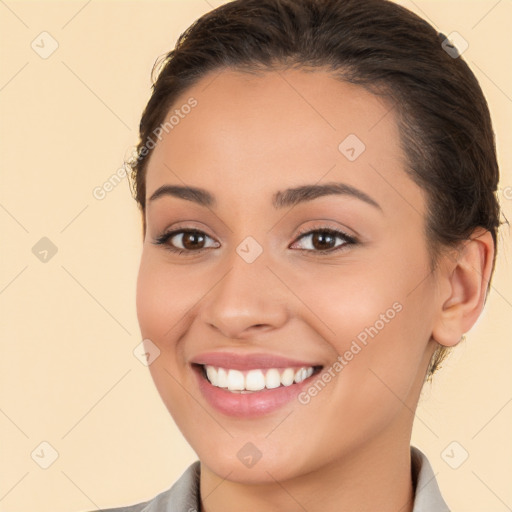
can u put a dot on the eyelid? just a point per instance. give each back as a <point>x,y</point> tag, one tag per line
<point>179,227</point>
<point>326,227</point>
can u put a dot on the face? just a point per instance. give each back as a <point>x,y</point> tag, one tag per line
<point>260,276</point>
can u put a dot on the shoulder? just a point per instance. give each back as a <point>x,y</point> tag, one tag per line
<point>182,496</point>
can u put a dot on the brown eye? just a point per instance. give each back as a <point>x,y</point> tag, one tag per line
<point>186,240</point>
<point>192,240</point>
<point>322,240</point>
<point>325,240</point>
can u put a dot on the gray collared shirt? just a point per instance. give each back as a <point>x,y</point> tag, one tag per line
<point>183,496</point>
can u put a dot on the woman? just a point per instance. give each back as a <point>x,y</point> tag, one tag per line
<point>317,185</point>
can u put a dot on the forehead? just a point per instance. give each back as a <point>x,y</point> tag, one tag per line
<point>264,132</point>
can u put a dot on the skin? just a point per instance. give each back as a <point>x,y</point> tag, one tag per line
<point>248,137</point>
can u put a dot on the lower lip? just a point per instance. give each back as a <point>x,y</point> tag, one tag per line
<point>248,405</point>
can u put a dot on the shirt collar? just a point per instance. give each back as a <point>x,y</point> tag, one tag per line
<point>427,496</point>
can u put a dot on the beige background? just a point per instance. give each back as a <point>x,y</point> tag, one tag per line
<point>68,373</point>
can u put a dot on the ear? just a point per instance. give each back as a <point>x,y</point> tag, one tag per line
<point>463,281</point>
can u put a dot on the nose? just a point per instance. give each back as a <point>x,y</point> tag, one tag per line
<point>249,298</point>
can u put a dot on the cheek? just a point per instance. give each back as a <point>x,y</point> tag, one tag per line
<point>151,301</point>
<point>164,295</point>
<point>372,319</point>
<point>161,306</point>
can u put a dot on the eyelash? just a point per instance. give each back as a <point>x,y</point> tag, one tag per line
<point>348,240</point>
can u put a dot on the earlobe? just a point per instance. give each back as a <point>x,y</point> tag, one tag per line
<point>465,280</point>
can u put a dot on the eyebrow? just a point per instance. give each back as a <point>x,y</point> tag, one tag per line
<point>281,199</point>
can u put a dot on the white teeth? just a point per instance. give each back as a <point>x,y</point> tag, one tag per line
<point>303,374</point>
<point>235,380</point>
<point>211,373</point>
<point>255,380</point>
<point>222,378</point>
<point>287,377</point>
<point>300,375</point>
<point>272,379</point>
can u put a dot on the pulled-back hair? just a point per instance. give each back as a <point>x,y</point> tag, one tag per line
<point>443,118</point>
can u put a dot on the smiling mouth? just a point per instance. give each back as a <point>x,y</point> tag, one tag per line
<point>258,379</point>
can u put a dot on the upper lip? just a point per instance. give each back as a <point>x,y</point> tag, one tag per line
<point>248,361</point>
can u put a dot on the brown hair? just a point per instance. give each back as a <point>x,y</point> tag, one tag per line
<point>445,125</point>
